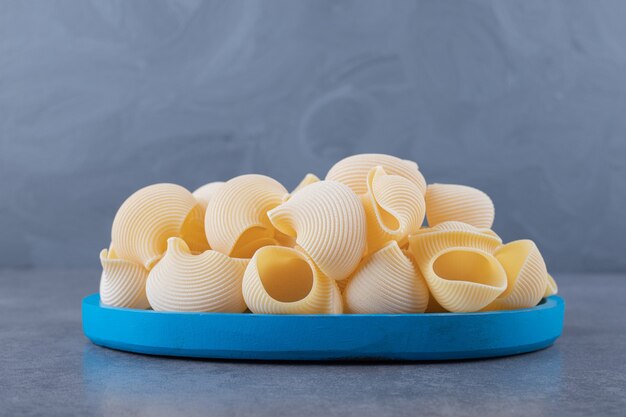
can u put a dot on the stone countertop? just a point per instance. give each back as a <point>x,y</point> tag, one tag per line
<point>47,367</point>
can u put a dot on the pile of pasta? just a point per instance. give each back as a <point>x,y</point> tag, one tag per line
<point>353,243</point>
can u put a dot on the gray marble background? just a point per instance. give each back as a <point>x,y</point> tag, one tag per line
<point>523,99</point>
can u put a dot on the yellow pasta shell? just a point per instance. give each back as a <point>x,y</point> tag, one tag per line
<point>123,282</point>
<point>551,287</point>
<point>236,222</point>
<point>147,219</point>
<point>526,274</point>
<point>282,280</point>
<point>353,170</point>
<point>182,281</point>
<point>204,194</point>
<point>464,279</point>
<point>328,222</point>
<point>450,202</point>
<point>394,208</point>
<point>427,243</point>
<point>386,282</point>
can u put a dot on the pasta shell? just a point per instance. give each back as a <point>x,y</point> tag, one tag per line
<point>551,288</point>
<point>427,243</point>
<point>282,280</point>
<point>394,208</point>
<point>328,222</point>
<point>526,274</point>
<point>450,202</point>
<point>182,281</point>
<point>353,170</point>
<point>236,222</point>
<point>123,282</point>
<point>386,282</point>
<point>204,194</point>
<point>464,279</point>
<point>147,219</point>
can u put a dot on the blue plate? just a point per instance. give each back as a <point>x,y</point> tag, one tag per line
<point>439,336</point>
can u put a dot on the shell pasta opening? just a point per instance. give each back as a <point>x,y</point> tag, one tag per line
<point>285,276</point>
<point>468,265</point>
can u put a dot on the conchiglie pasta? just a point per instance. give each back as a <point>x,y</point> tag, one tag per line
<point>236,221</point>
<point>209,282</point>
<point>386,282</point>
<point>551,287</point>
<point>427,243</point>
<point>328,222</point>
<point>147,219</point>
<point>123,282</point>
<point>450,202</point>
<point>353,170</point>
<point>526,274</point>
<point>282,280</point>
<point>464,279</point>
<point>204,194</point>
<point>394,208</point>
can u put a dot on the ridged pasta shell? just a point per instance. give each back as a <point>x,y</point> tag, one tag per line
<point>123,282</point>
<point>204,194</point>
<point>427,243</point>
<point>147,219</point>
<point>182,281</point>
<point>551,287</point>
<point>236,222</point>
<point>353,170</point>
<point>282,280</point>
<point>386,282</point>
<point>328,222</point>
<point>394,208</point>
<point>464,279</point>
<point>526,274</point>
<point>451,202</point>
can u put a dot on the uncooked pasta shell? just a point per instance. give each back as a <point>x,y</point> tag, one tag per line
<point>353,170</point>
<point>551,287</point>
<point>328,222</point>
<point>394,208</point>
<point>236,222</point>
<point>450,202</point>
<point>183,281</point>
<point>427,243</point>
<point>282,280</point>
<point>123,282</point>
<point>464,279</point>
<point>386,282</point>
<point>526,274</point>
<point>147,219</point>
<point>206,192</point>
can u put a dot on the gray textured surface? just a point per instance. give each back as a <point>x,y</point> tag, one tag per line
<point>48,367</point>
<point>524,99</point>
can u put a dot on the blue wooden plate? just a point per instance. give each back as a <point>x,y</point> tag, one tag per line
<point>439,336</point>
